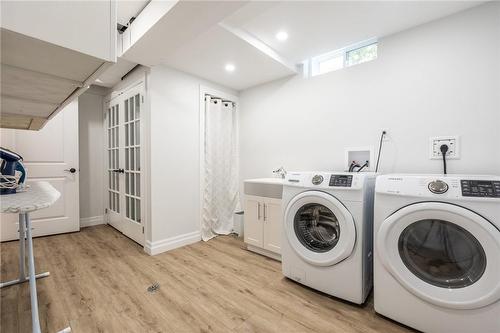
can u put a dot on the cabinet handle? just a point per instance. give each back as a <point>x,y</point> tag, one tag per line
<point>258,211</point>
<point>265,212</point>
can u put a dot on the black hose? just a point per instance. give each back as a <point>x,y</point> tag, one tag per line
<point>379,149</point>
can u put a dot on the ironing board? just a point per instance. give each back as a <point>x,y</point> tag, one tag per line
<point>38,196</point>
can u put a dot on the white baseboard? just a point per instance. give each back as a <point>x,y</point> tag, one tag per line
<point>90,221</point>
<point>171,243</point>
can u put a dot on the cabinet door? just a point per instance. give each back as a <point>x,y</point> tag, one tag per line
<point>273,226</point>
<point>253,222</point>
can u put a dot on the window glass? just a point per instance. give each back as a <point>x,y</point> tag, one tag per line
<point>362,54</point>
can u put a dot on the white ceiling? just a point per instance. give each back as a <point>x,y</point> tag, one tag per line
<point>316,27</point>
<point>129,8</point>
<point>200,37</point>
<point>207,55</point>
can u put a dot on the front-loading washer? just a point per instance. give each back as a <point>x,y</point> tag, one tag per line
<point>437,252</point>
<point>328,224</point>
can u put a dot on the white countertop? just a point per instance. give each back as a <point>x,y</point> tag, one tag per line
<point>266,180</point>
<point>37,196</point>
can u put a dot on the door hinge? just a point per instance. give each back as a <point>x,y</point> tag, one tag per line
<point>105,210</point>
<point>142,229</point>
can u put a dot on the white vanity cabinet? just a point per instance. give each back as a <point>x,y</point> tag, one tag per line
<point>263,216</point>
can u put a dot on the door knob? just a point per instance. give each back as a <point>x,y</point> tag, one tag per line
<point>118,170</point>
<point>72,170</point>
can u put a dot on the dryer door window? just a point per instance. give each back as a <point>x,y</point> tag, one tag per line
<point>316,227</point>
<point>442,253</point>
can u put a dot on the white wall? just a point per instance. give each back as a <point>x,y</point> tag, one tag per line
<point>442,78</point>
<point>175,150</point>
<point>91,145</point>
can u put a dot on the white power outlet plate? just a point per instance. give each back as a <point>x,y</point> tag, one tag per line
<point>453,143</point>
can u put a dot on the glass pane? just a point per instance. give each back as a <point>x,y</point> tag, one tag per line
<point>109,179</point>
<point>132,159</point>
<point>109,118</point>
<point>137,133</point>
<point>126,159</point>
<point>138,185</point>
<point>126,135</point>
<point>442,253</point>
<point>363,54</point>
<point>127,180</point>
<point>316,227</point>
<point>132,213</point>
<point>138,210</point>
<point>132,134</point>
<point>117,115</point>
<point>131,100</point>
<point>132,184</point>
<point>137,159</point>
<point>117,203</point>
<point>126,111</point>
<point>127,207</point>
<point>137,106</point>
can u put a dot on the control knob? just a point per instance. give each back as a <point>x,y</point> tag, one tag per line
<point>317,179</point>
<point>438,187</point>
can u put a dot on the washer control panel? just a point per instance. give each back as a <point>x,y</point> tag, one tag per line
<point>480,188</point>
<point>341,180</point>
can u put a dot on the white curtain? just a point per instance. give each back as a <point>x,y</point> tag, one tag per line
<point>220,195</point>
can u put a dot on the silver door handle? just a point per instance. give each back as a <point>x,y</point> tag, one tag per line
<point>258,211</point>
<point>265,212</point>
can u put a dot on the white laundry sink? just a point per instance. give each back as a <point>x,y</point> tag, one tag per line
<point>264,187</point>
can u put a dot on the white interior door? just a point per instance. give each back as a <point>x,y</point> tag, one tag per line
<point>124,160</point>
<point>49,155</point>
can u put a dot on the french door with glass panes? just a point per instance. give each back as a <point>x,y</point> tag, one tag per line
<point>124,176</point>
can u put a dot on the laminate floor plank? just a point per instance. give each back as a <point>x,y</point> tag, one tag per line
<point>99,278</point>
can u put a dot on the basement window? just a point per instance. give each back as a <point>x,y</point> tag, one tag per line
<point>338,59</point>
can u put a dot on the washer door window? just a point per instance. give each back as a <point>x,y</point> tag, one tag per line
<point>442,253</point>
<point>316,227</point>
<point>319,228</point>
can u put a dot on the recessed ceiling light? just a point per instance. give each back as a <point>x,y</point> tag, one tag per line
<point>282,36</point>
<point>230,67</point>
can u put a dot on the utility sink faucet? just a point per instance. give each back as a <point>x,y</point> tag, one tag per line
<point>281,171</point>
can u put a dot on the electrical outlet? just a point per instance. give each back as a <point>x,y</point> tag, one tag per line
<point>452,142</point>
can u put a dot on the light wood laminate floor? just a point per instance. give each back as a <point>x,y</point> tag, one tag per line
<point>98,281</point>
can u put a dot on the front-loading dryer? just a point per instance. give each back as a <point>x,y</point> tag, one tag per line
<point>437,252</point>
<point>327,220</point>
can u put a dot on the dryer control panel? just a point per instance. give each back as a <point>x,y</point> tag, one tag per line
<point>480,188</point>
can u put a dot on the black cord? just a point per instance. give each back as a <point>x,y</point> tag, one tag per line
<point>444,149</point>
<point>363,166</point>
<point>380,149</point>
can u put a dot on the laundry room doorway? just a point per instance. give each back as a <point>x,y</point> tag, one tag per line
<point>124,154</point>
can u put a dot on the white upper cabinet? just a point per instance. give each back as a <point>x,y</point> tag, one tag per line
<point>51,52</point>
<point>88,27</point>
